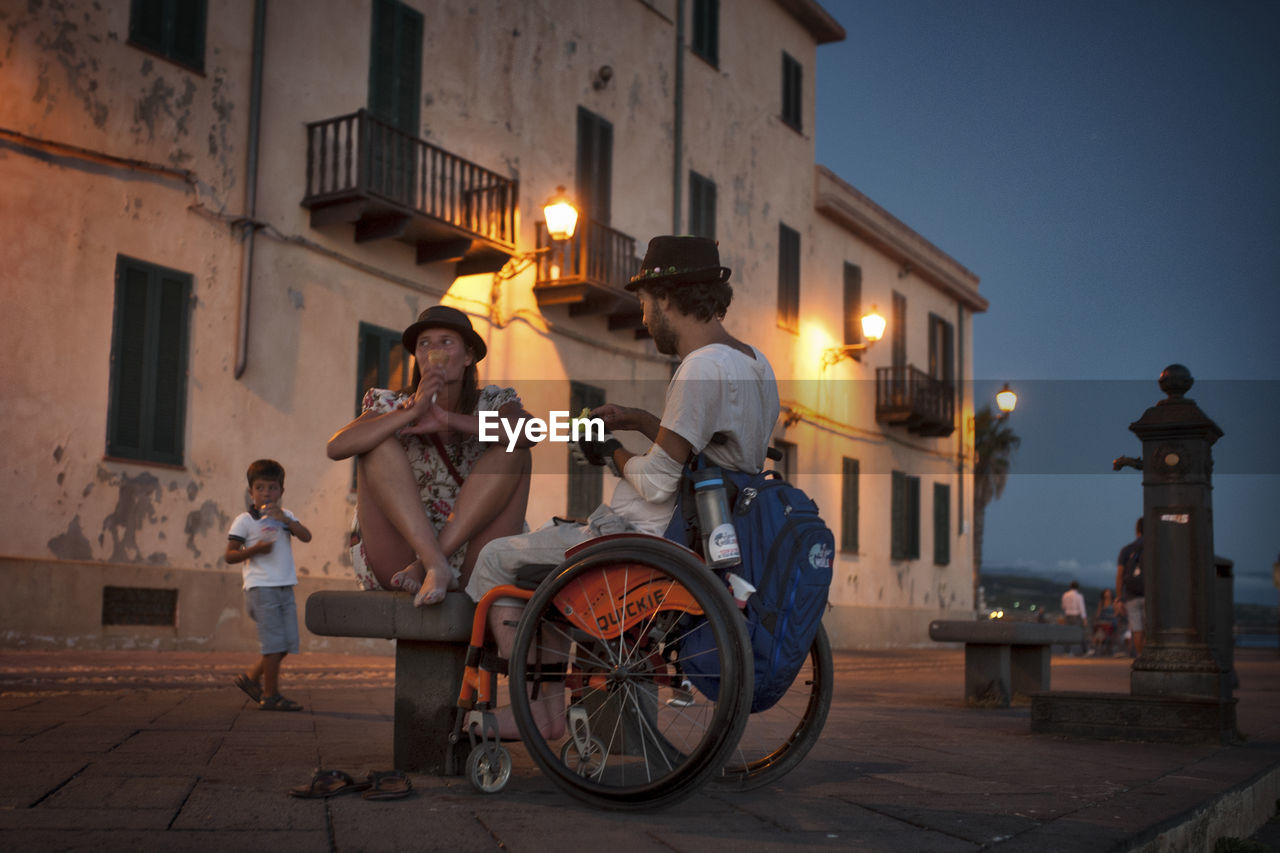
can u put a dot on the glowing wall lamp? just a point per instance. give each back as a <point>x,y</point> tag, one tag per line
<point>1006,401</point>
<point>873,324</point>
<point>561,216</point>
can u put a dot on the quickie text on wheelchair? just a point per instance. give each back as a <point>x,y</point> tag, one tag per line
<point>561,427</point>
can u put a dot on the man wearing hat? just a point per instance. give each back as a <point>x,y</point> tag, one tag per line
<point>722,401</point>
<point>429,493</point>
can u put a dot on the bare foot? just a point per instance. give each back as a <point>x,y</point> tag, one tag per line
<point>409,578</point>
<point>435,584</point>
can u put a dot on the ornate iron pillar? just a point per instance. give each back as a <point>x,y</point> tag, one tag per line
<point>1180,653</point>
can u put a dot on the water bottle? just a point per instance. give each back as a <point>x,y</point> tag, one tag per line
<point>719,538</point>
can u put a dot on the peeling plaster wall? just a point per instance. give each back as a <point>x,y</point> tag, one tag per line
<point>106,149</point>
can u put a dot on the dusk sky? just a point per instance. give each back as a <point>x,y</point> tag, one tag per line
<point>1110,169</point>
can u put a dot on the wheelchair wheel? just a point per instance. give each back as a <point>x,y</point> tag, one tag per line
<point>599,644</point>
<point>777,740</point>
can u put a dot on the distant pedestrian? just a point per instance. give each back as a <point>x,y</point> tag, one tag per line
<point>260,539</point>
<point>1104,624</point>
<point>1076,613</point>
<point>1131,588</point>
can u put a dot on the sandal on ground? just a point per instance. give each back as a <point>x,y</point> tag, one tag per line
<point>327,783</point>
<point>277,702</point>
<point>251,688</point>
<point>387,785</point>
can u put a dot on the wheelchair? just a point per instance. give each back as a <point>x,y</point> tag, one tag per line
<point>599,642</point>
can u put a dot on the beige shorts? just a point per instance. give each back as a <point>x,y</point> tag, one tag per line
<point>500,559</point>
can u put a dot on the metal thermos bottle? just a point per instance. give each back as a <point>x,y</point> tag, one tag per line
<point>719,538</point>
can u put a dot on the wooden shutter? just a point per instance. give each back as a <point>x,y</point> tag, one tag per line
<point>849,506</point>
<point>941,524</point>
<point>788,278</point>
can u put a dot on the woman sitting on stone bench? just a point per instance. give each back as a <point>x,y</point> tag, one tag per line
<point>429,494</point>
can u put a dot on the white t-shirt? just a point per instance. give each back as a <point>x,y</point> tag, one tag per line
<point>271,569</point>
<point>723,403</point>
<point>1073,603</point>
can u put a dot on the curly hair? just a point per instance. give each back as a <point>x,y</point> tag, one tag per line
<point>704,300</point>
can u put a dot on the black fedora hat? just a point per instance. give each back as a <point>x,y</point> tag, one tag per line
<point>680,260</point>
<point>444,317</point>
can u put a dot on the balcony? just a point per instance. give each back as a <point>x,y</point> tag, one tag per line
<point>391,185</point>
<point>906,396</point>
<point>589,273</point>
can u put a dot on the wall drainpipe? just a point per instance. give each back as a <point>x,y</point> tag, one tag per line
<point>250,225</point>
<point>678,143</point>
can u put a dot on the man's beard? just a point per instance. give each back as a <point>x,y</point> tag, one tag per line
<point>664,337</point>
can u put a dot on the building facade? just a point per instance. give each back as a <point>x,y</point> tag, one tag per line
<point>221,213</point>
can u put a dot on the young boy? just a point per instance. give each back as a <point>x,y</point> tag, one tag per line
<point>260,539</point>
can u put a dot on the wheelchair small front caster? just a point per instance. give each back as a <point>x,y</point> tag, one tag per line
<point>489,767</point>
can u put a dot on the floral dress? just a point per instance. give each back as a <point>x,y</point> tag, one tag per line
<point>436,483</point>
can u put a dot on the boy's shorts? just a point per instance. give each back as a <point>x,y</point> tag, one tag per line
<point>274,611</point>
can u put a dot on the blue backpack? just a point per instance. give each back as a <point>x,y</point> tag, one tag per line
<point>787,553</point>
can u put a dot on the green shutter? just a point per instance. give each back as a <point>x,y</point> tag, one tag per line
<point>595,166</point>
<point>788,278</point>
<point>941,524</point>
<point>706,30</point>
<point>897,517</point>
<point>904,521</point>
<point>395,65</point>
<point>175,29</point>
<point>913,518</point>
<point>853,305</point>
<point>702,206</point>
<point>146,414</point>
<point>186,44</point>
<point>849,506</point>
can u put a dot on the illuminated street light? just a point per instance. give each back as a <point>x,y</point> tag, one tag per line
<point>561,216</point>
<point>873,324</point>
<point>1006,401</point>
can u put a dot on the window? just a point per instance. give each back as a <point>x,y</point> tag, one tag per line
<point>853,306</point>
<point>788,278</point>
<point>147,405</point>
<point>595,166</point>
<point>706,30</point>
<point>586,482</point>
<point>702,206</point>
<point>395,65</point>
<point>383,362</point>
<point>172,28</point>
<point>898,333</point>
<point>849,506</point>
<point>941,349</point>
<point>792,75</point>
<point>941,524</point>
<point>904,534</point>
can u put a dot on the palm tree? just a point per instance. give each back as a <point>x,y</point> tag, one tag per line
<point>993,445</point>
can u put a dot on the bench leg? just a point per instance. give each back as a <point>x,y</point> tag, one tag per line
<point>428,677</point>
<point>987,675</point>
<point>1030,669</point>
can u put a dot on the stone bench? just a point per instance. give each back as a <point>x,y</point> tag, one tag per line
<point>1003,661</point>
<point>431,650</point>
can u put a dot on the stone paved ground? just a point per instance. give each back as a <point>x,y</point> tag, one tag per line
<point>151,750</point>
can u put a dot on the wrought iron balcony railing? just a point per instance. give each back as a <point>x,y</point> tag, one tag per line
<point>907,396</point>
<point>390,184</point>
<point>589,273</point>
